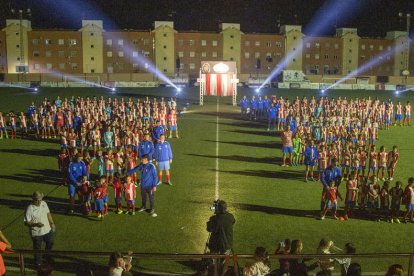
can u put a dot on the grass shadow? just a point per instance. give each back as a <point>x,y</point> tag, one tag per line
<point>43,176</point>
<point>277,210</point>
<point>250,159</point>
<point>267,145</point>
<point>251,132</point>
<point>34,152</point>
<point>268,174</point>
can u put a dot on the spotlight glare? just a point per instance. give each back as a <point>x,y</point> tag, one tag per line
<point>36,89</point>
<point>179,89</point>
<point>397,92</point>
<point>113,89</point>
<point>323,91</point>
<point>257,90</point>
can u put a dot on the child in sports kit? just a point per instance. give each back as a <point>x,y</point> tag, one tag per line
<point>99,194</point>
<point>105,197</point>
<point>322,161</point>
<point>311,159</point>
<point>384,200</point>
<point>363,155</point>
<point>362,193</point>
<point>409,201</point>
<point>118,190</point>
<point>109,168</point>
<point>101,163</point>
<point>130,195</point>
<point>88,161</point>
<point>297,149</point>
<point>398,115</point>
<point>393,157</point>
<point>373,197</point>
<point>373,161</point>
<point>12,123</point>
<point>396,194</point>
<point>172,122</point>
<point>382,162</point>
<point>23,124</point>
<point>346,162</point>
<point>3,127</point>
<point>351,195</point>
<point>407,112</point>
<point>109,138</point>
<point>86,194</point>
<point>332,195</point>
<point>63,165</point>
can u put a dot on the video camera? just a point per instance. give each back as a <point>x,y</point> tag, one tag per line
<point>219,206</point>
<point>215,205</point>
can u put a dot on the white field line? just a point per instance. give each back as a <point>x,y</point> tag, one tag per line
<point>217,152</point>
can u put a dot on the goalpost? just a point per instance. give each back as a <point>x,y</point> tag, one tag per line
<point>82,80</point>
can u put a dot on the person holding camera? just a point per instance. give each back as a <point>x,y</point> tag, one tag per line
<point>261,264</point>
<point>120,265</point>
<point>40,222</point>
<point>221,228</point>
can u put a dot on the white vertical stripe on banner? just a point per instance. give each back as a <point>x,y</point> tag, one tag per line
<point>213,85</point>
<point>224,85</point>
<point>203,78</point>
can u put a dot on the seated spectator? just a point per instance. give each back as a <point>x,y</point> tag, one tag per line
<point>346,262</point>
<point>395,270</point>
<point>118,266</point>
<point>284,249</point>
<point>325,264</point>
<point>261,264</point>
<point>298,267</point>
<point>4,245</point>
<point>354,269</point>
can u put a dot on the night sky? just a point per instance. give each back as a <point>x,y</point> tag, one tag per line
<point>373,18</point>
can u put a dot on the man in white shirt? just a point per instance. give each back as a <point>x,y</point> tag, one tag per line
<point>41,226</point>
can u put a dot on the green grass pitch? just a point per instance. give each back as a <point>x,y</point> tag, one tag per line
<point>269,202</point>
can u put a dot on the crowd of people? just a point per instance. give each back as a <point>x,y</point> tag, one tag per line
<point>121,136</point>
<point>336,138</point>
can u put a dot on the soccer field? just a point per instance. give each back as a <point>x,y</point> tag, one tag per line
<point>240,164</point>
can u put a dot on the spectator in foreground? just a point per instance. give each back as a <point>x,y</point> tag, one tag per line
<point>298,267</point>
<point>325,264</point>
<point>395,270</point>
<point>40,222</point>
<point>346,262</point>
<point>118,266</point>
<point>4,245</point>
<point>261,264</point>
<point>354,270</point>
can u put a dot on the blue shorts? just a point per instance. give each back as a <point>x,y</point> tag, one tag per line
<point>287,150</point>
<point>132,202</point>
<point>350,203</point>
<point>99,204</point>
<point>373,204</point>
<point>13,127</point>
<point>361,168</point>
<point>407,116</point>
<point>72,190</point>
<point>86,198</point>
<point>164,165</point>
<point>410,207</point>
<point>310,162</point>
<point>372,168</point>
<point>173,127</point>
<point>332,205</point>
<point>105,198</point>
<point>50,127</point>
<point>354,140</point>
<point>281,120</point>
<point>110,172</point>
<point>372,139</point>
<point>388,121</point>
<point>2,128</point>
<point>118,199</point>
<point>382,167</point>
<point>398,117</point>
<point>344,166</point>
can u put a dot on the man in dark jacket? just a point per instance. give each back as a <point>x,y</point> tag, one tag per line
<point>221,228</point>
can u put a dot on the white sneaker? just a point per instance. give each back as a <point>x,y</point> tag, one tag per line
<point>153,214</point>
<point>322,217</point>
<point>159,183</point>
<point>391,179</point>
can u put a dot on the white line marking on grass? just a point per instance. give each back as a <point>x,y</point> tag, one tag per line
<point>217,152</point>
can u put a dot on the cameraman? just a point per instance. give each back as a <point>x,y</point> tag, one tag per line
<point>221,228</point>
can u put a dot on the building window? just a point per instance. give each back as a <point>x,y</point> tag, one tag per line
<point>257,55</point>
<point>92,70</point>
<point>327,45</point>
<point>164,34</point>
<point>18,59</point>
<point>135,54</point>
<point>61,66</point>
<point>363,47</point>
<point>231,47</point>
<point>165,47</point>
<point>35,53</point>
<point>73,53</point>
<point>61,54</point>
<point>182,66</point>
<point>247,43</point>
<point>214,54</point>
<point>146,41</point>
<point>135,41</point>
<point>180,42</point>
<point>380,47</point>
<point>279,55</point>
<point>17,46</point>
<point>120,42</point>
<point>317,45</point>
<point>335,57</point>
<point>350,50</point>
<point>165,58</point>
<point>180,54</point>
<point>48,41</point>
<point>91,34</point>
<point>110,68</point>
<point>191,42</point>
<point>120,54</point>
<point>362,57</point>
<point>269,44</point>
<point>109,42</point>
<point>308,45</point>
<point>109,54</point>
<point>278,44</point>
<point>203,54</point>
<point>74,66</point>
<point>257,43</point>
<point>192,66</point>
<point>326,56</point>
<point>316,56</point>
<point>371,47</point>
<point>246,55</point>
<point>35,41</point>
<point>336,46</point>
<point>49,66</point>
<point>203,42</point>
<point>350,61</point>
<point>92,58</point>
<point>135,67</point>
<point>48,54</point>
<point>214,43</point>
<point>73,42</point>
<point>165,70</point>
<point>307,55</point>
<point>36,66</point>
<point>61,41</point>
<point>92,46</point>
<point>146,54</point>
<point>389,48</point>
